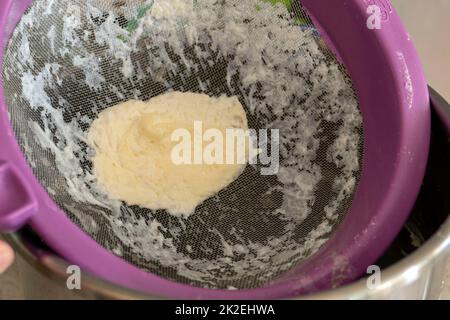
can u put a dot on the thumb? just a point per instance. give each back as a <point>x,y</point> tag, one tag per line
<point>6,256</point>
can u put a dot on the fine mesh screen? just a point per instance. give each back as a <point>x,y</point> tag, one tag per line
<point>69,60</point>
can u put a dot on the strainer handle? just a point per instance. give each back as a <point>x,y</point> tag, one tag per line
<point>17,204</point>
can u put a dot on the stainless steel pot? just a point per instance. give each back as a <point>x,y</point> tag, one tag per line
<point>415,267</point>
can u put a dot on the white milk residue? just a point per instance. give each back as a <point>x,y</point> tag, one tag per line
<point>253,49</point>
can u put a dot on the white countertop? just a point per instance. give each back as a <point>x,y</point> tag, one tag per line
<point>428,23</point>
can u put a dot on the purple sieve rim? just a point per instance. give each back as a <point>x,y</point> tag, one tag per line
<point>394,100</point>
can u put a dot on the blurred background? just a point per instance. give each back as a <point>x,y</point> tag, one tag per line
<point>428,23</point>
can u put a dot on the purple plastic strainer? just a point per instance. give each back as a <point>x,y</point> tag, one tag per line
<point>393,100</point>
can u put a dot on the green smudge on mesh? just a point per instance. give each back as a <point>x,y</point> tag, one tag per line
<point>287,3</point>
<point>133,24</point>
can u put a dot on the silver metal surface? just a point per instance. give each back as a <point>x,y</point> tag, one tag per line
<point>418,276</point>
